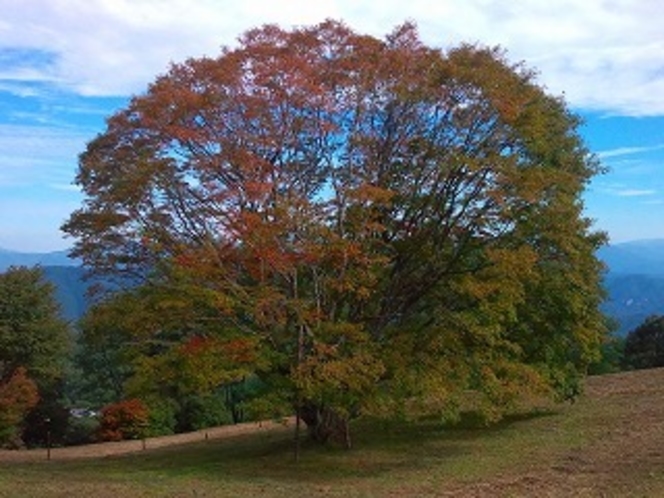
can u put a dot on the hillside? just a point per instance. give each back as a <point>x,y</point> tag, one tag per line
<point>608,444</point>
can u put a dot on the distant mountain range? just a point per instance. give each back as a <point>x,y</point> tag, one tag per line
<point>641,257</point>
<point>634,280</point>
<point>71,289</point>
<point>13,258</point>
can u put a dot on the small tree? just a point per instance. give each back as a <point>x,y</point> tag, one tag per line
<point>102,360</point>
<point>644,346</point>
<point>33,345</point>
<point>18,395</point>
<point>33,333</point>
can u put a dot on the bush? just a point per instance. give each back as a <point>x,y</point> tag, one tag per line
<point>162,418</point>
<point>199,412</point>
<point>644,346</point>
<point>81,430</point>
<point>47,423</point>
<point>128,419</point>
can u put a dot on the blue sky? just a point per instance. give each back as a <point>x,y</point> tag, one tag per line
<point>67,64</point>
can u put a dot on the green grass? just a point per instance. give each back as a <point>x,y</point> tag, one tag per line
<point>388,459</point>
<point>413,458</point>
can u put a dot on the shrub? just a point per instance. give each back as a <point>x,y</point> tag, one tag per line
<point>162,418</point>
<point>81,430</point>
<point>47,423</point>
<point>126,419</point>
<point>199,412</point>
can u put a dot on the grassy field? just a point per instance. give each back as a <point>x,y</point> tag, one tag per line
<point>609,443</point>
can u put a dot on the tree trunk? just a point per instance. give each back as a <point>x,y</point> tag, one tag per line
<point>325,424</point>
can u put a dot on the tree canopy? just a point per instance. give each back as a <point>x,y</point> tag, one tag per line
<point>33,335</point>
<point>388,224</point>
<point>644,346</point>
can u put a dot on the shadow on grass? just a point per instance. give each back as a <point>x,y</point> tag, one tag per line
<point>381,447</point>
<point>473,420</point>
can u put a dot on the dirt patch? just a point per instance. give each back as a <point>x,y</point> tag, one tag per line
<point>101,450</point>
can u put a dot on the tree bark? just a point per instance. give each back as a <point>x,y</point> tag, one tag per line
<point>325,425</point>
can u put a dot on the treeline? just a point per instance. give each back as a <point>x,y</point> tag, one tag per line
<point>96,380</point>
<point>71,383</point>
<point>641,348</point>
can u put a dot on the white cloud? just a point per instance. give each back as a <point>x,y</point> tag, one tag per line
<point>38,155</point>
<point>33,223</point>
<point>635,192</point>
<point>626,151</point>
<point>625,189</point>
<point>65,187</point>
<point>603,54</point>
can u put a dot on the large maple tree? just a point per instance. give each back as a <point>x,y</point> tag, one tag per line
<point>389,224</point>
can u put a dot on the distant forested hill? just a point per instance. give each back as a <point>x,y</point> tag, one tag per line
<point>71,289</point>
<point>641,257</point>
<point>633,298</point>
<point>634,282</point>
<point>13,258</point>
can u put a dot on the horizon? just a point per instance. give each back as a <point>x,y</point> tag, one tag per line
<point>64,71</point>
<point>65,251</point>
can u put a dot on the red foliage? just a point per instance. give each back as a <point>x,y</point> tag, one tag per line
<point>123,420</point>
<point>18,391</point>
<point>240,350</point>
<point>195,345</point>
<point>17,396</point>
<point>236,351</point>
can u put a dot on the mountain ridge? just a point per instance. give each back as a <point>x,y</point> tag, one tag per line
<point>639,257</point>
<point>52,258</point>
<point>634,280</point>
